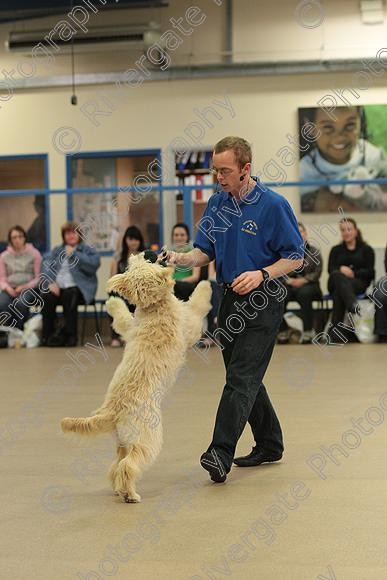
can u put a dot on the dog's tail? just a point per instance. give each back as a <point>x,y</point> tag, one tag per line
<point>88,425</point>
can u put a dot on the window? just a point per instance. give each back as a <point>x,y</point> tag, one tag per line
<point>105,212</point>
<point>28,211</point>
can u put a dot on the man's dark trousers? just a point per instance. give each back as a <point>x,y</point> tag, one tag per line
<point>246,355</point>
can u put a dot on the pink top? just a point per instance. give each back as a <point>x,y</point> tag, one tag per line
<point>20,268</point>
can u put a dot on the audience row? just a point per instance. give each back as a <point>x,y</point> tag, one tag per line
<point>68,276</point>
<point>351,269</point>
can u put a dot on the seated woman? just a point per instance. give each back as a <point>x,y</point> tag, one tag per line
<point>303,286</point>
<point>75,264</point>
<point>19,269</point>
<point>380,296</point>
<point>132,243</point>
<point>187,279</point>
<point>351,270</point>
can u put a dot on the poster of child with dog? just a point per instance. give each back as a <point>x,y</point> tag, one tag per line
<point>348,144</point>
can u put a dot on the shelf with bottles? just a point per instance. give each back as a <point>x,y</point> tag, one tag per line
<point>185,172</point>
<point>194,168</point>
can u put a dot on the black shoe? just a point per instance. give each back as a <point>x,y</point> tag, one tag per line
<point>56,340</point>
<point>334,337</point>
<point>211,463</point>
<point>71,341</point>
<point>354,308</point>
<point>256,457</point>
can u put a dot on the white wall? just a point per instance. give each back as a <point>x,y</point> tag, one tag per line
<point>154,114</point>
<point>262,30</point>
<point>270,30</point>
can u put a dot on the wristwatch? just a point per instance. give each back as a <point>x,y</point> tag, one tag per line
<point>265,274</point>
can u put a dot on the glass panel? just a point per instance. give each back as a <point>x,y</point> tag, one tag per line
<point>179,208</point>
<point>93,172</point>
<point>145,215</point>
<point>139,208</point>
<point>105,216</point>
<point>22,173</point>
<point>27,211</point>
<point>198,209</point>
<point>93,210</point>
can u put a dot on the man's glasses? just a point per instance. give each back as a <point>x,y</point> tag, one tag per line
<point>224,172</point>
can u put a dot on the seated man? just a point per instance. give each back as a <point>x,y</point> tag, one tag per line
<point>303,286</point>
<point>75,264</point>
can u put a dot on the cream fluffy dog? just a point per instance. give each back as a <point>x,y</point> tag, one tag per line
<point>157,337</point>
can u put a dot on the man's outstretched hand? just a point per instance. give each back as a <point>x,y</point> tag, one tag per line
<point>169,257</point>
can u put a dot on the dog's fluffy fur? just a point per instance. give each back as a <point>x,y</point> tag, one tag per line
<point>157,338</point>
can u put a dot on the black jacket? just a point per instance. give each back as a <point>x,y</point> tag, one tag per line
<point>311,268</point>
<point>361,260</point>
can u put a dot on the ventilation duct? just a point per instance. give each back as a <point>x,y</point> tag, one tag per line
<point>100,39</point>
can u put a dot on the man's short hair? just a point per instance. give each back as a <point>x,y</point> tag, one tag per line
<point>241,148</point>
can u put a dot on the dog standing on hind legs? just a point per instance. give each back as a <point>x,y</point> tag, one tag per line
<point>157,337</point>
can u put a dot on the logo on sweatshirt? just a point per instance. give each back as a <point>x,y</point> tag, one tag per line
<point>249,227</point>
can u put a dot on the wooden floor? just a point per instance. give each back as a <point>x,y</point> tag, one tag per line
<point>313,515</point>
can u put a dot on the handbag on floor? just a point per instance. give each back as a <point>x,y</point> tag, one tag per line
<point>32,331</point>
<point>295,327</point>
<point>13,336</point>
<point>364,321</point>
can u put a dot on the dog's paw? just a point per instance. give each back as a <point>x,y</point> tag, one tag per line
<point>130,497</point>
<point>204,290</point>
<point>113,304</point>
<point>67,424</point>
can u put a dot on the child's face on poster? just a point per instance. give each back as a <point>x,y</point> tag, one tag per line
<point>338,138</point>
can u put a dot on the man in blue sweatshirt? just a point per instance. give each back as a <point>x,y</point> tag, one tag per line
<point>252,234</point>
